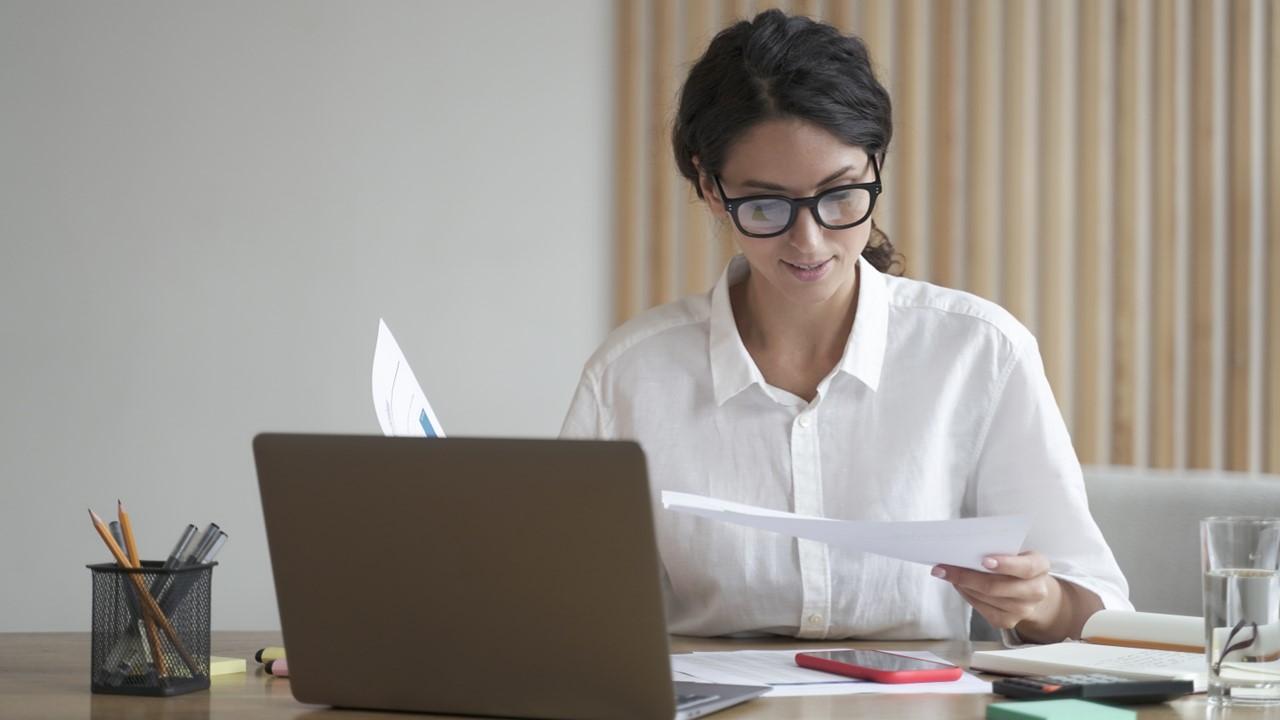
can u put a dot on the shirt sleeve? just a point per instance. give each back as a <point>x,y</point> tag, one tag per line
<point>1027,465</point>
<point>585,420</point>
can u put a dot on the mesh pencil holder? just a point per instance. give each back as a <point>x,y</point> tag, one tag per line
<point>150,629</point>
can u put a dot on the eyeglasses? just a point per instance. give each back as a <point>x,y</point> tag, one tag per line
<point>840,208</point>
<point>1229,648</point>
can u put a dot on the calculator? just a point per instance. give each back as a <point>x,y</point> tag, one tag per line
<point>1092,686</point>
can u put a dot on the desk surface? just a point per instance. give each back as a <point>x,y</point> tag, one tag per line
<point>46,675</point>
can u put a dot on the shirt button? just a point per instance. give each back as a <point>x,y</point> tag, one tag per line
<point>815,619</point>
<point>804,421</point>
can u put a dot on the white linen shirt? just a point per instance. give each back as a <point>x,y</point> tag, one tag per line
<point>938,409</point>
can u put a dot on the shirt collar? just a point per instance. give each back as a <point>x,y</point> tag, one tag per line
<point>733,370</point>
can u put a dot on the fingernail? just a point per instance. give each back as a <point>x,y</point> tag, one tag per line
<point>989,563</point>
<point>939,572</point>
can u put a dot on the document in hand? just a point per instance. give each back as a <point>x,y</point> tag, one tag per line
<point>963,542</point>
<point>398,400</point>
<point>1119,642</point>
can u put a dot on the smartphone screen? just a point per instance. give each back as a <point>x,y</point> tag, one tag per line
<point>878,660</point>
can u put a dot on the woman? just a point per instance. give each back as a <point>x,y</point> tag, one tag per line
<point>811,379</point>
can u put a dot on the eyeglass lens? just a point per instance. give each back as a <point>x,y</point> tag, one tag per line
<point>838,208</point>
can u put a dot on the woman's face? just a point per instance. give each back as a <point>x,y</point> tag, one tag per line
<point>808,264</point>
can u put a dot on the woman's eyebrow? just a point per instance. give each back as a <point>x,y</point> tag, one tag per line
<point>771,186</point>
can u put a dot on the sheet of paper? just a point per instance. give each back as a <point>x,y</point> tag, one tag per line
<point>778,669</point>
<point>964,542</point>
<point>398,400</point>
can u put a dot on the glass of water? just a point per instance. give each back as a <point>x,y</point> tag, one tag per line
<point>1240,558</point>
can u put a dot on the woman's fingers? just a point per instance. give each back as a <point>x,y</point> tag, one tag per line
<point>991,585</point>
<point>998,617</point>
<point>1024,565</point>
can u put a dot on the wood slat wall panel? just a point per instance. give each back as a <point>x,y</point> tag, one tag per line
<point>1096,50</point>
<point>911,116</point>
<point>696,238</point>
<point>1272,204</point>
<point>1108,170</point>
<point>1239,240</point>
<point>629,60</point>
<point>1124,333</point>
<point>1200,434</point>
<point>945,121</point>
<point>1021,164</point>
<point>1057,233</point>
<point>1164,246</point>
<point>983,137</point>
<point>662,181</point>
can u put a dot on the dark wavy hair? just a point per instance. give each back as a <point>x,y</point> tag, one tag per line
<point>779,66</point>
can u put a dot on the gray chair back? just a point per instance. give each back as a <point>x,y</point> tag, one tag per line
<point>1151,520</point>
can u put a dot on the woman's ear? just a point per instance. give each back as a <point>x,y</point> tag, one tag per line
<point>708,186</point>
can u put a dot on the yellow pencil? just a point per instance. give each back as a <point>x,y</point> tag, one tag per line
<point>131,545</point>
<point>148,603</point>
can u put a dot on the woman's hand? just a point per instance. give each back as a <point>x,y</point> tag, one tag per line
<point>1019,592</point>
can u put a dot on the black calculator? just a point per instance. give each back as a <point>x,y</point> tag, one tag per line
<point>1092,686</point>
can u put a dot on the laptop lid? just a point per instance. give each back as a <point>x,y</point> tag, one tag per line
<point>466,575</point>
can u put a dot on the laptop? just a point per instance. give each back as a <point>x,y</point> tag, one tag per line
<point>496,577</point>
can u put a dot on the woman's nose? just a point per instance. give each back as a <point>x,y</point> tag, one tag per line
<point>806,233</point>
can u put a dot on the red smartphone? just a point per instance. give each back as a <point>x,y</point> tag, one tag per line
<point>878,666</point>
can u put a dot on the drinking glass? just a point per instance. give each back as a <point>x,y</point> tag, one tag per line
<point>1240,559</point>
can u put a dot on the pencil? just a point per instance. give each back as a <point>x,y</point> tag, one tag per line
<point>131,545</point>
<point>148,603</point>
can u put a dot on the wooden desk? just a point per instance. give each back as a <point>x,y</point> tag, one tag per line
<point>46,675</point>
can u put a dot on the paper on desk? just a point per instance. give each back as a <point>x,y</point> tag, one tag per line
<point>964,542</point>
<point>778,669</point>
<point>398,400</point>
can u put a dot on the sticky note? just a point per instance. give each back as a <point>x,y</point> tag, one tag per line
<point>1057,710</point>
<point>225,666</point>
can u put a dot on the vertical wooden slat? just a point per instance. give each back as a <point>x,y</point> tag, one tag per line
<point>1021,104</point>
<point>811,8</point>
<point>1200,408</point>
<point>695,235</point>
<point>1272,462</point>
<point>1093,285</point>
<point>911,124</point>
<point>1183,154</point>
<point>1057,198</point>
<point>1238,234</point>
<point>840,13</point>
<point>983,133</point>
<point>879,29</point>
<point>661,182</point>
<point>1164,245</point>
<point>626,301</point>
<point>733,11</point>
<point>1124,333</point>
<point>943,146</point>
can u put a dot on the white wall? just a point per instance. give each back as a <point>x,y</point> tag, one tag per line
<point>204,209</point>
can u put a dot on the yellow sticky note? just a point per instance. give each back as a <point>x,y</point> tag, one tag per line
<point>225,666</point>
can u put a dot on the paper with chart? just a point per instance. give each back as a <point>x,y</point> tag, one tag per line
<point>964,542</point>
<point>398,400</point>
<point>778,670</point>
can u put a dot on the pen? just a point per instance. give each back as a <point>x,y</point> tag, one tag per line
<point>114,526</point>
<point>206,538</point>
<point>161,584</point>
<point>182,585</point>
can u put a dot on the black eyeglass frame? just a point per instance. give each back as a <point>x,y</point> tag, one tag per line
<point>731,205</point>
